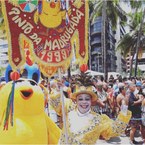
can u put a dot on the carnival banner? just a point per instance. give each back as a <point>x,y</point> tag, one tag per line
<point>52,28</point>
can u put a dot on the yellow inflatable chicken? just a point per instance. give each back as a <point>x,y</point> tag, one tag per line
<point>28,123</point>
<point>49,13</point>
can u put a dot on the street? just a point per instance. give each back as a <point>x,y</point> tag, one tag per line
<point>121,140</point>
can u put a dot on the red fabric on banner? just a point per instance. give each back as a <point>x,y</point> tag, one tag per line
<point>52,46</point>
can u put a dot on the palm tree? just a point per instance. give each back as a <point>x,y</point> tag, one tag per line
<point>104,39</point>
<point>137,5</point>
<point>138,42</point>
<point>110,11</point>
<point>133,42</point>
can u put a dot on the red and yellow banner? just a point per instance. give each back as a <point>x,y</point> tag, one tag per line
<point>52,29</point>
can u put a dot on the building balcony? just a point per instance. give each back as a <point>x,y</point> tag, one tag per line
<point>95,32</point>
<point>3,58</point>
<point>94,52</point>
<point>111,62</point>
<point>95,42</point>
<point>93,62</point>
<point>3,46</point>
<point>3,50</point>
<point>111,52</point>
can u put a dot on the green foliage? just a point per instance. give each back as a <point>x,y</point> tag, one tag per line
<point>136,4</point>
<point>139,72</point>
<point>113,11</point>
<point>128,44</point>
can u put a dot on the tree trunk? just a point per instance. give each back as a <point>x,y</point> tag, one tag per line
<point>104,40</point>
<point>138,44</point>
<point>131,66</point>
<point>89,47</point>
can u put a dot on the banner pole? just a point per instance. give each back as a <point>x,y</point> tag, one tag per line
<point>63,108</point>
<point>48,80</point>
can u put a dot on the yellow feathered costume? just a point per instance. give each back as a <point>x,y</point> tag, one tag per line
<point>30,123</point>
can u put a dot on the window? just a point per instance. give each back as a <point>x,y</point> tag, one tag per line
<point>96,39</point>
<point>97,26</point>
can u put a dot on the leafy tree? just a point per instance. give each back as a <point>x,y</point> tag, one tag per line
<point>110,11</point>
<point>133,42</point>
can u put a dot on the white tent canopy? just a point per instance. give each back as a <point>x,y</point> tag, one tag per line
<point>94,73</point>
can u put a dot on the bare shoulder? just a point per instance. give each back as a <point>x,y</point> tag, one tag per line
<point>119,97</point>
<point>143,102</point>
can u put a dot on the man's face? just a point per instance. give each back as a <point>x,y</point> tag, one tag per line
<point>132,88</point>
<point>138,87</point>
<point>83,103</point>
<point>123,90</point>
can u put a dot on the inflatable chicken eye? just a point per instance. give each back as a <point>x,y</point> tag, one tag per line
<point>29,72</point>
<point>48,0</point>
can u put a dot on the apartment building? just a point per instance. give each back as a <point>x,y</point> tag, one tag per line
<point>96,52</point>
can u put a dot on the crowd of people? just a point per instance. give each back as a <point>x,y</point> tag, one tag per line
<point>114,96</point>
<point>101,109</point>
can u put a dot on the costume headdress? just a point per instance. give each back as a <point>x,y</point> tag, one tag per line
<point>84,85</point>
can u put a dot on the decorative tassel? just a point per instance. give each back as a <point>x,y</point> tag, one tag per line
<point>63,5</point>
<point>39,7</point>
<point>67,5</point>
<point>67,19</point>
<point>10,108</point>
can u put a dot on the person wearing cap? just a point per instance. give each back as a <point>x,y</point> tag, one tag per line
<point>67,89</point>
<point>134,105</point>
<point>82,124</point>
<point>139,87</point>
